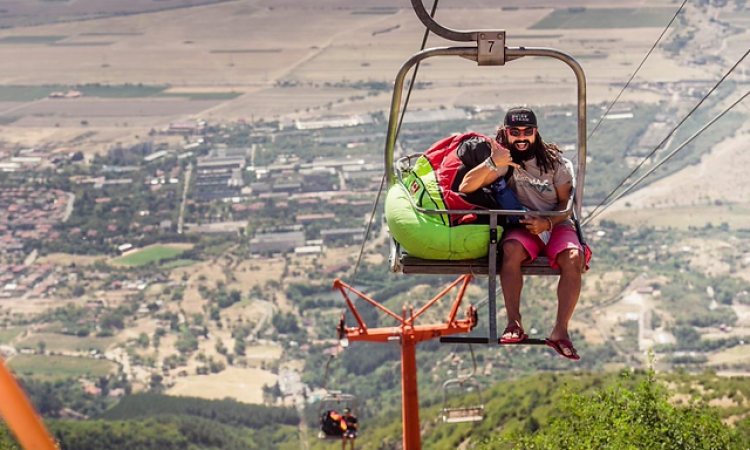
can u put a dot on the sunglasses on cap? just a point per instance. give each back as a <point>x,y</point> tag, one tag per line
<point>515,132</point>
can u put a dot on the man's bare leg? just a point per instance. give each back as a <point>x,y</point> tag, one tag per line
<point>511,280</point>
<point>568,291</point>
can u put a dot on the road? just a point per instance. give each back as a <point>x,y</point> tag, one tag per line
<point>262,321</point>
<point>181,219</point>
<point>31,258</point>
<point>69,206</point>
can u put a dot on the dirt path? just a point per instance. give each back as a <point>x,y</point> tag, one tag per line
<point>266,315</point>
<point>181,220</point>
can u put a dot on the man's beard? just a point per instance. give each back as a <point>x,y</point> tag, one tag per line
<point>521,155</point>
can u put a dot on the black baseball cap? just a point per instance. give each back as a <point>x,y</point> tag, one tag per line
<point>520,117</point>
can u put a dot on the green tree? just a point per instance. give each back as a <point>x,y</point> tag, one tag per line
<point>112,320</point>
<point>186,343</point>
<point>642,418</point>
<point>220,347</point>
<point>6,440</point>
<point>143,340</point>
<point>156,383</point>
<point>285,323</point>
<point>239,347</point>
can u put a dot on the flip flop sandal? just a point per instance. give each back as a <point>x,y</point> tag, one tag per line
<point>513,340</point>
<point>558,347</point>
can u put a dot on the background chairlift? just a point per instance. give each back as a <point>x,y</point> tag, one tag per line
<point>463,383</point>
<point>490,50</point>
<point>334,400</point>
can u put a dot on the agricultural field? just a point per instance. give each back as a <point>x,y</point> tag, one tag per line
<point>30,93</point>
<point>65,343</point>
<point>154,253</point>
<point>50,368</point>
<point>64,258</point>
<point>179,263</point>
<point>21,14</point>
<point>608,18</point>
<point>245,385</point>
<point>730,356</point>
<point>250,67</point>
<point>8,334</point>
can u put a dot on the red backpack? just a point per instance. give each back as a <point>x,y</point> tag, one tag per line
<point>435,171</point>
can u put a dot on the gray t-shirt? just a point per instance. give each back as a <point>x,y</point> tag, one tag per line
<point>536,190</point>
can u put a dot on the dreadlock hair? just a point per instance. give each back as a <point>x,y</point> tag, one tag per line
<point>546,153</point>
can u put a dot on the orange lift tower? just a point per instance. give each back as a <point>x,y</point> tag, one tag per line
<point>408,334</point>
<point>20,416</point>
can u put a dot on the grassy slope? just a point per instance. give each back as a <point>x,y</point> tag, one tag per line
<point>149,255</point>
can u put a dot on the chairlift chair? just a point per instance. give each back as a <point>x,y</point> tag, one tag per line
<point>467,382</point>
<point>335,401</point>
<point>462,414</point>
<point>490,51</point>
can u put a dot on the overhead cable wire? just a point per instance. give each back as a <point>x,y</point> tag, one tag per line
<point>486,300</point>
<point>666,138</point>
<point>653,47</point>
<point>382,180</point>
<point>671,154</point>
<point>414,74</point>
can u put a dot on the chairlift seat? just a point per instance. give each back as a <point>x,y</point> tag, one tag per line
<point>323,436</point>
<point>404,263</point>
<point>412,265</point>
<point>463,415</point>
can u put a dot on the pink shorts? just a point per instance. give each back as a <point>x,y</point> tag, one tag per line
<point>563,237</point>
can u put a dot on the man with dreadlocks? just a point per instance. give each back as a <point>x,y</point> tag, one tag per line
<point>543,181</point>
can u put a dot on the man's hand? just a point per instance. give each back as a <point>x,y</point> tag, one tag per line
<point>536,225</point>
<point>501,155</point>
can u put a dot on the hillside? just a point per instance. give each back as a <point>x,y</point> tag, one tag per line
<point>530,406</point>
<point>650,411</point>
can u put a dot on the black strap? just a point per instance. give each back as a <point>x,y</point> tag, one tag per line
<point>508,175</point>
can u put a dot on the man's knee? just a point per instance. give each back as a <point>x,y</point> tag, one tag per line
<point>514,251</point>
<point>570,259</point>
